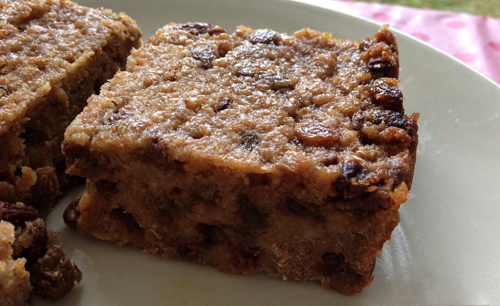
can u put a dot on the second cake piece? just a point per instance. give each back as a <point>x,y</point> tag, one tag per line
<point>252,151</point>
<point>53,55</point>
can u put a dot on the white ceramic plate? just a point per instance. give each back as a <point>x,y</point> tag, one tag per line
<point>446,249</point>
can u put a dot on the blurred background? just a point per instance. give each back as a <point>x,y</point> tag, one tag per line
<point>478,7</point>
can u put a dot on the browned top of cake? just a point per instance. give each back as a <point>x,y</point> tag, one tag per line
<point>257,102</point>
<point>41,42</point>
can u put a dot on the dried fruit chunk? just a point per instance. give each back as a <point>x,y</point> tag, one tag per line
<point>387,94</point>
<point>384,66</point>
<point>17,214</point>
<point>53,276</point>
<point>223,104</point>
<point>205,54</point>
<point>250,140</point>
<point>72,213</point>
<point>196,28</point>
<point>316,134</point>
<point>31,241</point>
<point>264,37</point>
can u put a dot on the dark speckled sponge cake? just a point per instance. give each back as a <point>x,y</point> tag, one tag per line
<point>252,151</point>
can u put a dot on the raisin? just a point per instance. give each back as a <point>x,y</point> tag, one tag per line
<point>316,134</point>
<point>398,172</point>
<point>4,91</point>
<point>345,187</point>
<point>205,54</point>
<point>245,72</point>
<point>127,219</point>
<point>72,213</point>
<point>223,104</point>
<point>388,95</point>
<point>251,215</point>
<point>330,159</point>
<point>196,28</point>
<point>379,116</point>
<point>391,118</point>
<point>333,263</point>
<point>17,214</point>
<point>357,120</point>
<point>264,37</point>
<point>275,80</point>
<point>32,241</point>
<point>250,140</point>
<point>291,207</point>
<point>282,82</point>
<point>352,170</point>
<point>381,67</point>
<point>53,275</point>
<point>45,190</point>
<point>188,250</point>
<point>122,114</point>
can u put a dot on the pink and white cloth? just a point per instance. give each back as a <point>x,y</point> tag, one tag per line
<point>475,40</point>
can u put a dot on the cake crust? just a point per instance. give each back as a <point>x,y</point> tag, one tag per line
<point>252,151</point>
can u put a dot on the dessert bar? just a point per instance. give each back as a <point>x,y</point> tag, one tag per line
<point>251,151</point>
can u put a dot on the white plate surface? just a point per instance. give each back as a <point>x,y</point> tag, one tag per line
<point>444,252</point>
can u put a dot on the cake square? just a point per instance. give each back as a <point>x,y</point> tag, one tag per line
<point>252,151</point>
<point>53,55</point>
